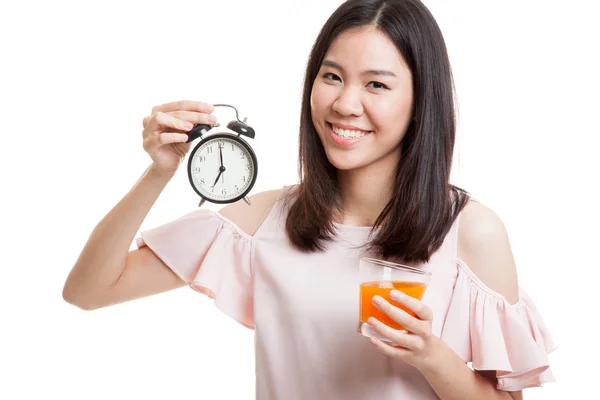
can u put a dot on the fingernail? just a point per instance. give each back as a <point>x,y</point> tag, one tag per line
<point>396,295</point>
<point>212,119</point>
<point>377,300</point>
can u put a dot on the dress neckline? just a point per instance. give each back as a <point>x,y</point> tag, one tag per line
<point>352,227</point>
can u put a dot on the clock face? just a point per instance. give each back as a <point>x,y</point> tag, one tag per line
<point>222,168</point>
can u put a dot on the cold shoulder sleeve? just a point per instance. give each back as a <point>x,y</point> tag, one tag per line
<point>511,339</point>
<point>212,255</point>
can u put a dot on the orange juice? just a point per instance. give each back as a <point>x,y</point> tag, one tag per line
<point>383,288</point>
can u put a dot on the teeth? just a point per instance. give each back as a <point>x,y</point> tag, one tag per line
<point>347,133</point>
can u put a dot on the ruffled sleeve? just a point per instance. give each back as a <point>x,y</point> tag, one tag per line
<point>212,255</point>
<point>483,328</point>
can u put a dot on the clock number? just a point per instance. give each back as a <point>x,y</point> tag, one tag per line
<point>209,149</point>
<point>201,159</point>
<point>202,181</point>
<point>237,189</point>
<point>244,178</point>
<point>232,147</point>
<point>242,155</point>
<point>247,167</point>
<point>221,145</point>
<point>197,170</point>
<point>224,191</point>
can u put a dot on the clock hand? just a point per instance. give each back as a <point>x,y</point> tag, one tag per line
<point>221,156</point>
<point>217,180</point>
<point>221,169</point>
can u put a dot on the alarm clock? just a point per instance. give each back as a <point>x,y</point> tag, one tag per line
<point>222,167</point>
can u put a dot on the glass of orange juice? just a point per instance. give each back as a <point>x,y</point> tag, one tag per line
<point>378,277</point>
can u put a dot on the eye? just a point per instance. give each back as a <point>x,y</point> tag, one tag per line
<point>330,76</point>
<point>379,85</point>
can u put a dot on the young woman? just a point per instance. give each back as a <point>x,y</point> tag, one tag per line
<point>376,142</point>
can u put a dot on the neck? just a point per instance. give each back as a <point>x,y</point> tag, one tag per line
<point>364,192</point>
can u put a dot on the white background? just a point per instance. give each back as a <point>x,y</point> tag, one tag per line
<point>78,77</point>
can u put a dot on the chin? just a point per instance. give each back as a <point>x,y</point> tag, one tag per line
<point>345,163</point>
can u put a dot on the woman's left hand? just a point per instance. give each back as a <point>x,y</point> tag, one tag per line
<point>416,346</point>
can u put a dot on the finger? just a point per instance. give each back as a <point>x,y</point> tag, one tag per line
<point>190,116</point>
<point>194,117</point>
<point>415,305</point>
<point>399,338</point>
<point>391,351</point>
<point>172,137</point>
<point>409,322</point>
<point>159,120</point>
<point>188,105</point>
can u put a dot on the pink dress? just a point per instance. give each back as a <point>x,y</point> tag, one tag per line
<point>303,308</point>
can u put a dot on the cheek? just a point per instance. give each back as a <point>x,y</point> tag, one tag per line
<point>318,107</point>
<point>314,108</point>
<point>386,114</point>
<point>321,99</point>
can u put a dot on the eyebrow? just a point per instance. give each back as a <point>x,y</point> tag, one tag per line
<point>332,64</point>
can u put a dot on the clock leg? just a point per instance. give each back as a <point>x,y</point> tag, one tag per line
<point>247,200</point>
<point>201,202</point>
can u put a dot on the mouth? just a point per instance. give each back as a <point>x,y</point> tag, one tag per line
<point>345,137</point>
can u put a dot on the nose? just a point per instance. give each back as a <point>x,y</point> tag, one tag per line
<point>348,103</point>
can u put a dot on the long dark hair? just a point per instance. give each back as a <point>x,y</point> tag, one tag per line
<point>414,223</point>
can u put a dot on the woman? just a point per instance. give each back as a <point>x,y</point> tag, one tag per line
<point>376,143</point>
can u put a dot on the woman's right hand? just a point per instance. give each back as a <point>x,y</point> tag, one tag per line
<point>164,137</point>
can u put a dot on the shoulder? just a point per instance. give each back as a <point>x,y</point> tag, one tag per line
<point>484,246</point>
<point>250,217</point>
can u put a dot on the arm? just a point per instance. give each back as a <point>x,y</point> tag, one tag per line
<point>452,379</point>
<point>106,253</point>
<point>107,273</point>
<point>484,245</point>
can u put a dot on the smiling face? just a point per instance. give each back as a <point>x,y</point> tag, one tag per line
<point>361,100</point>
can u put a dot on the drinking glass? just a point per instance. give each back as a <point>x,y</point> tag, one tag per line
<point>379,277</point>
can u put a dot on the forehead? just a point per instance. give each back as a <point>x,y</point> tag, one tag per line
<point>366,48</point>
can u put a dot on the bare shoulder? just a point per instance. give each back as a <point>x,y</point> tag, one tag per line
<point>484,246</point>
<point>250,217</point>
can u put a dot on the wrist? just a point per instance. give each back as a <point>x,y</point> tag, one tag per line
<point>161,173</point>
<point>431,364</point>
